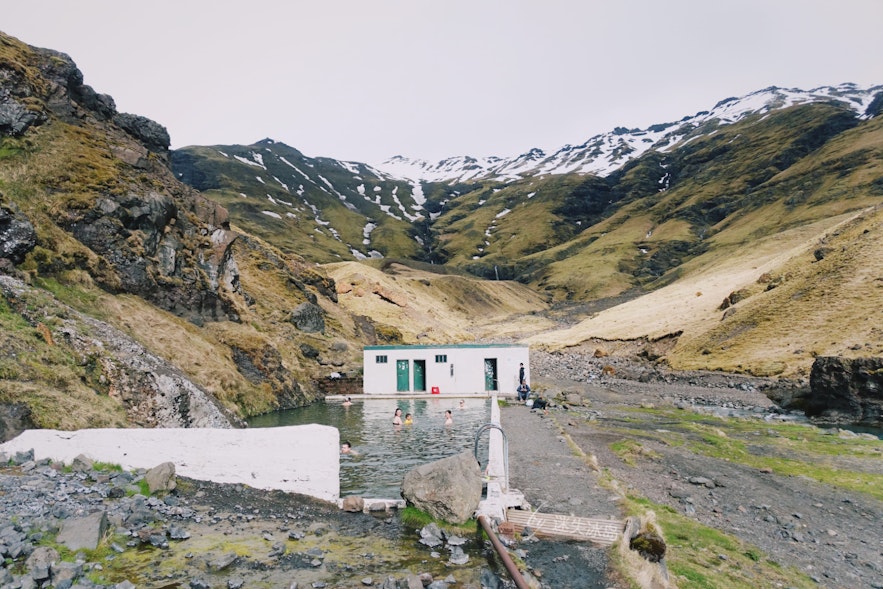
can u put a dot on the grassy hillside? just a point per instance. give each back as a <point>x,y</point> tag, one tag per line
<point>422,306</point>
<point>75,171</point>
<point>784,307</point>
<point>314,207</point>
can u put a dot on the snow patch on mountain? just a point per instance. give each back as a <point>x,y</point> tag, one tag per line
<point>607,152</point>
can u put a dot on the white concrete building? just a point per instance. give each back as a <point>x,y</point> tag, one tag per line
<point>460,369</point>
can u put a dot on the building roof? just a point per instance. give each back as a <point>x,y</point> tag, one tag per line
<point>443,346</point>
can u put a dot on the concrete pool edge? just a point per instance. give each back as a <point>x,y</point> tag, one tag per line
<point>499,495</point>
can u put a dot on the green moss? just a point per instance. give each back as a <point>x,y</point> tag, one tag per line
<point>416,518</point>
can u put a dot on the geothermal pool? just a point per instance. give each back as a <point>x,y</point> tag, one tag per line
<point>386,452</point>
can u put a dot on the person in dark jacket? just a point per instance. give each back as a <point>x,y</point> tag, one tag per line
<point>523,391</point>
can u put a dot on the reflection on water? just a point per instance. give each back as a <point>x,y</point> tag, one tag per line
<point>386,452</point>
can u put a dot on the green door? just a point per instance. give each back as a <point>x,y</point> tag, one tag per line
<point>420,376</point>
<point>490,374</point>
<point>402,376</point>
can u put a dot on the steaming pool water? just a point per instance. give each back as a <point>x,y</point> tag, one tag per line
<point>386,452</point>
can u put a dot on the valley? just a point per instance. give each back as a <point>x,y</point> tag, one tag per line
<point>142,286</point>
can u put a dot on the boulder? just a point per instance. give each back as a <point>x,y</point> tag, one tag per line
<point>14,419</point>
<point>846,390</point>
<point>448,489</point>
<point>86,532</point>
<point>353,504</point>
<point>153,135</point>
<point>82,463</point>
<point>39,563</point>
<point>161,478</point>
<point>308,318</point>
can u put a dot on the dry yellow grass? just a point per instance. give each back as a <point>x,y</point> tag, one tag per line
<point>438,308</point>
<point>778,332</point>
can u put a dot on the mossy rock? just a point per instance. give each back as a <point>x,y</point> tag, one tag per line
<point>649,545</point>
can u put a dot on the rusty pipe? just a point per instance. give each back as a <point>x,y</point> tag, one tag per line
<point>513,571</point>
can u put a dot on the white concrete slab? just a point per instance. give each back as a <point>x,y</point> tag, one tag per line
<point>300,459</point>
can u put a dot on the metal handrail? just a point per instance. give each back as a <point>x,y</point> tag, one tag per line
<point>478,434</point>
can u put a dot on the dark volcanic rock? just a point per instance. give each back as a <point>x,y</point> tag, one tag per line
<point>17,235</point>
<point>845,390</point>
<point>14,419</point>
<point>153,135</point>
<point>15,119</point>
<point>308,317</point>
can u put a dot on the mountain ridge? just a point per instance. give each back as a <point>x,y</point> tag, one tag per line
<point>606,152</point>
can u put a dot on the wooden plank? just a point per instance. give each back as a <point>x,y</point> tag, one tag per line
<point>599,531</point>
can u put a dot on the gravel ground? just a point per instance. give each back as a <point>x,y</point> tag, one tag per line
<point>831,534</point>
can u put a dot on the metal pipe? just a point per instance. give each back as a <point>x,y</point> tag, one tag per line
<point>513,571</point>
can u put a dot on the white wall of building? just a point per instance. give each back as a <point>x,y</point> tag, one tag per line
<point>456,369</point>
<point>301,459</point>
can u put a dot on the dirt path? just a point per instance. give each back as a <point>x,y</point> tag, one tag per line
<point>554,479</point>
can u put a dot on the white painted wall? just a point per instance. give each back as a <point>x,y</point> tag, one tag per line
<point>461,373</point>
<point>301,459</point>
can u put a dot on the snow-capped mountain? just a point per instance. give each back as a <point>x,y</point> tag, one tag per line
<point>607,152</point>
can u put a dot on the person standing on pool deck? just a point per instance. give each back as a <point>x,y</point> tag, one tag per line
<point>449,418</point>
<point>521,372</point>
<point>397,416</point>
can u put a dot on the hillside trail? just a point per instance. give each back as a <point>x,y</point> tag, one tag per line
<point>556,480</point>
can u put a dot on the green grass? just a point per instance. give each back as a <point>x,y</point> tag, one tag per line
<point>630,451</point>
<point>788,449</point>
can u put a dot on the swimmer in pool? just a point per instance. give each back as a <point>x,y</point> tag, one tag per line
<point>408,420</point>
<point>347,402</point>
<point>346,448</point>
<point>449,418</point>
<point>397,417</point>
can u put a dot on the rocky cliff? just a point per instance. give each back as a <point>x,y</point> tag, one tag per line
<point>155,237</point>
<point>846,391</point>
<point>127,283</point>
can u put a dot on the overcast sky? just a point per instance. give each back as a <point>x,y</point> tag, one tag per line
<point>365,80</point>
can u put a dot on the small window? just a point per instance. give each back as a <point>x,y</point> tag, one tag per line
<point>441,358</point>
<point>380,359</point>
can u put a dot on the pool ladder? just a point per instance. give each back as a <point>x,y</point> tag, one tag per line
<point>505,449</point>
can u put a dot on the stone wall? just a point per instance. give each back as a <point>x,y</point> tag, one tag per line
<point>346,386</point>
